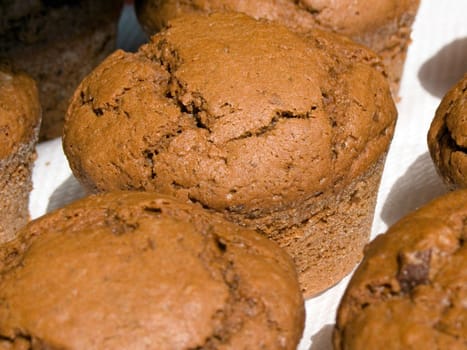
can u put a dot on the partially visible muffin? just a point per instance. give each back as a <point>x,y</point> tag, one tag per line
<point>20,115</point>
<point>447,136</point>
<point>136,270</point>
<point>280,133</point>
<point>383,25</point>
<point>410,291</point>
<point>57,42</point>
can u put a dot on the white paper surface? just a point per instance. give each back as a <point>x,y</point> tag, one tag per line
<point>437,58</point>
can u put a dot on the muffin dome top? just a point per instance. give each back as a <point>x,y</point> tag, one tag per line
<point>20,111</point>
<point>447,137</point>
<point>231,112</point>
<point>411,283</point>
<point>137,270</point>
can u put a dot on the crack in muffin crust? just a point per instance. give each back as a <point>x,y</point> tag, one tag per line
<point>384,28</point>
<point>446,137</point>
<point>252,130</point>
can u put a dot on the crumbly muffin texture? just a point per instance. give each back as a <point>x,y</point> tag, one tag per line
<point>410,290</point>
<point>20,116</point>
<point>136,270</point>
<point>267,128</point>
<point>447,136</point>
<point>383,25</point>
<point>58,43</point>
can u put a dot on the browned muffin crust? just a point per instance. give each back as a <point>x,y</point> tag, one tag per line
<point>136,270</point>
<point>383,25</point>
<point>57,43</point>
<point>273,132</point>
<point>20,115</point>
<point>447,136</point>
<point>410,290</point>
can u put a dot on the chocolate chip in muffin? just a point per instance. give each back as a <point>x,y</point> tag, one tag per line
<point>414,269</point>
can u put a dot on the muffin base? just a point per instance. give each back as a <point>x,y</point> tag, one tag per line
<point>391,42</point>
<point>326,234</point>
<point>15,186</point>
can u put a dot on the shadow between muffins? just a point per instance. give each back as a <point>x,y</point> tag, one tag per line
<point>438,74</point>
<point>68,191</point>
<point>130,34</point>
<point>417,186</point>
<point>322,340</point>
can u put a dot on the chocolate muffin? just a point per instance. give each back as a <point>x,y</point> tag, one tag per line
<point>447,136</point>
<point>136,270</point>
<point>410,290</point>
<point>280,133</point>
<point>384,25</point>
<point>20,115</point>
<point>57,42</point>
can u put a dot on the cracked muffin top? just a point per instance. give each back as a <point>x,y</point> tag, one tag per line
<point>135,270</point>
<point>447,137</point>
<point>231,112</point>
<point>410,290</point>
<point>20,111</point>
<point>383,25</point>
